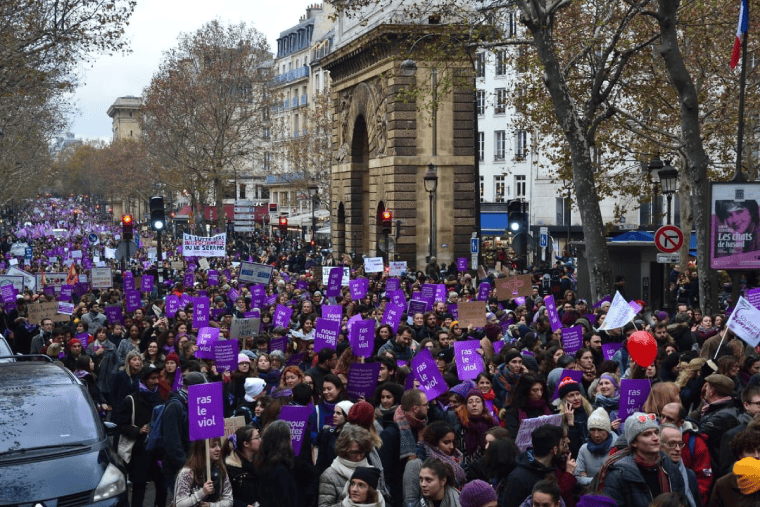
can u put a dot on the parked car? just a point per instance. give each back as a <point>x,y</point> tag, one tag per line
<point>54,450</point>
<point>5,351</point>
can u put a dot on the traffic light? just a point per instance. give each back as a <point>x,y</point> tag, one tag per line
<point>387,221</point>
<point>126,227</point>
<point>516,218</point>
<point>157,214</point>
<point>283,224</point>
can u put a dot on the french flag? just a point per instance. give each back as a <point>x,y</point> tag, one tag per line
<point>741,29</point>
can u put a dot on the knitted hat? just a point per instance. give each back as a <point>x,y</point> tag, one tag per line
<point>242,358</point>
<point>596,501</point>
<point>511,355</point>
<point>370,475</point>
<point>362,414</point>
<point>569,318</point>
<point>463,388</point>
<point>345,406</point>
<point>253,388</point>
<point>600,420</point>
<point>661,315</point>
<point>567,386</point>
<point>73,341</point>
<point>194,378</point>
<point>475,392</point>
<point>747,472</point>
<point>638,423</point>
<point>477,493</point>
<point>722,384</point>
<point>492,331</point>
<point>172,356</point>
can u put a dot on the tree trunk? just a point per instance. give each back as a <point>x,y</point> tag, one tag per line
<point>597,256</point>
<point>687,218</point>
<point>693,147</point>
<point>219,192</point>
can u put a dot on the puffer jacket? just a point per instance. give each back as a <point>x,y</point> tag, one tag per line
<point>625,483</point>
<point>332,483</point>
<point>450,499</point>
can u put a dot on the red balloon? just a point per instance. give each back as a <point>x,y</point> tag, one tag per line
<point>643,348</point>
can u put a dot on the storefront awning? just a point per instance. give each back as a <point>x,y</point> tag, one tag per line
<point>494,222</point>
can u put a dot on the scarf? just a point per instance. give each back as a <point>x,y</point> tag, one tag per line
<point>534,405</point>
<point>607,464</point>
<point>654,466</point>
<point>454,461</point>
<point>509,381</point>
<point>707,406</point>
<point>405,424</point>
<point>599,449</point>
<point>151,396</point>
<point>81,374</point>
<point>687,489</point>
<point>381,413</point>
<point>474,435</point>
<point>607,403</point>
<point>346,468</point>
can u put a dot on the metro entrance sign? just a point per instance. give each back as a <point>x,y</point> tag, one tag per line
<point>668,239</point>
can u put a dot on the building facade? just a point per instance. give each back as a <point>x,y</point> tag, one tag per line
<point>123,113</point>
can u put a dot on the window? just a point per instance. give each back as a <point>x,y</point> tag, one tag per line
<point>480,65</point>
<point>267,161</point>
<point>512,24</point>
<point>481,102</point>
<point>500,144</point>
<point>521,144</point>
<point>501,62</point>
<point>563,211</point>
<point>242,191</point>
<point>520,183</point>
<point>481,146</point>
<point>520,101</point>
<point>498,188</point>
<point>481,188</point>
<point>501,100</point>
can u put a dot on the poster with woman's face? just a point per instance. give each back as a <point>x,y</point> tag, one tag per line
<point>735,226</point>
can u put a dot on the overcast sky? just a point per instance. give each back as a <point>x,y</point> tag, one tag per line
<point>154,28</point>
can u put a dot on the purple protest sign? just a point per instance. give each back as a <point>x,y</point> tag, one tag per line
<point>216,313</point>
<point>425,370</point>
<point>573,374</point>
<point>133,300</point>
<point>295,359</point>
<point>49,290</point>
<point>461,264</point>
<point>362,380</point>
<point>66,291</point>
<point>428,292</point>
<point>114,314</point>
<point>358,288</point>
<point>147,283</point>
<point>84,339</point>
<point>205,411</point>
<point>454,310</point>
<point>332,312</point>
<point>188,280</point>
<point>440,292</point>
<point>361,335</point>
<point>232,294</point>
<point>184,300</point>
<point>172,305</point>
<point>416,306</point>
<point>469,363</point>
<point>397,297</point>
<point>302,285</point>
<point>326,334</point>
<point>483,291</point>
<point>392,284</point>
<point>207,337</point>
<point>297,418</point>
<point>128,281</point>
<point>753,296</point>
<point>213,277</point>
<point>572,339</point>
<point>635,306</point>
<point>282,316</point>
<point>226,355</point>
<point>551,312</point>
<point>520,300</point>
<point>253,314</point>
<point>591,318</point>
<point>392,315</point>
<point>201,307</point>
<point>605,299</point>
<point>258,296</point>
<point>497,346</point>
<point>278,343</point>
<point>633,394</point>
<point>9,293</point>
<point>609,349</point>
<point>333,282</point>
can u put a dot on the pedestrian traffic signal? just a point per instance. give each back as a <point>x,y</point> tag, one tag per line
<point>126,227</point>
<point>157,214</point>
<point>387,221</point>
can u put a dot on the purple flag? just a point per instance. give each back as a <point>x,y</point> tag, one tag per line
<point>461,264</point>
<point>392,315</point>
<point>66,291</point>
<point>147,283</point>
<point>605,299</point>
<point>282,316</point>
<point>213,277</point>
<point>392,284</point>
<point>483,291</point>
<point>551,312</point>
<point>326,334</point>
<point>205,410</point>
<point>114,314</point>
<point>469,362</point>
<point>333,282</point>
<point>226,355</point>
<point>201,314</point>
<point>362,337</point>
<point>207,337</point>
<point>633,394</point>
<point>609,349</point>
<point>358,288</point>
<point>362,380</point>
<point>572,339</point>
<point>133,300</point>
<point>573,374</point>
<point>425,370</point>
<point>297,418</point>
<point>172,305</point>
<point>332,312</point>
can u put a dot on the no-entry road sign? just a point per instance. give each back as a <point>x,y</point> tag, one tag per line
<point>668,238</point>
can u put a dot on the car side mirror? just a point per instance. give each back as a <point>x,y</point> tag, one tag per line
<point>111,428</point>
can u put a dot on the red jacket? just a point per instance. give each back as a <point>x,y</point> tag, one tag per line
<point>699,461</point>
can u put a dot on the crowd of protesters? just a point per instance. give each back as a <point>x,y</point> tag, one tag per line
<point>694,442</point>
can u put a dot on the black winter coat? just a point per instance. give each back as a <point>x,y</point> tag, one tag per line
<point>175,433</point>
<point>714,423</point>
<point>244,480</point>
<point>522,479</point>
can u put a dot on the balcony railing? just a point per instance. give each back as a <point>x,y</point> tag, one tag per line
<point>292,75</point>
<point>303,99</point>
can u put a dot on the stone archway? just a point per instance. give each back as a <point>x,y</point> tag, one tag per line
<point>360,239</point>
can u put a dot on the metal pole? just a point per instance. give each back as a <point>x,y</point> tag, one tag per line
<point>670,200</point>
<point>159,264</point>
<point>430,249</point>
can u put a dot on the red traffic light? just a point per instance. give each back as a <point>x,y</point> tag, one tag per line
<point>387,215</point>
<point>283,222</point>
<point>126,219</point>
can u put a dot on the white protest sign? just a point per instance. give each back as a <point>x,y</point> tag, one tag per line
<point>745,322</point>
<point>524,439</point>
<point>110,253</point>
<point>101,278</point>
<point>18,249</point>
<point>201,246</point>
<point>397,268</point>
<point>16,281</point>
<point>344,280</point>
<point>30,281</point>
<point>65,308</point>
<point>619,314</point>
<point>203,263</point>
<point>254,273</point>
<point>243,328</point>
<point>373,265</point>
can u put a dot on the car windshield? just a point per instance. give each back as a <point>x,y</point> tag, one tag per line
<point>43,416</point>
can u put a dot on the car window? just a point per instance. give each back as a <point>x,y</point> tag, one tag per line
<point>5,350</point>
<point>38,416</point>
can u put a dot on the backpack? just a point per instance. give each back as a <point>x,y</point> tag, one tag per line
<point>155,442</point>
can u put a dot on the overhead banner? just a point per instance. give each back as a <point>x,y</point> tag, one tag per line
<point>201,246</point>
<point>735,226</point>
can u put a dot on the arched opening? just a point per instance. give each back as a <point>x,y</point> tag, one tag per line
<point>340,233</point>
<point>359,212</point>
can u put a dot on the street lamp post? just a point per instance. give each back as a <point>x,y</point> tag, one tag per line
<point>313,189</point>
<point>430,180</point>
<point>655,165</point>
<point>668,179</point>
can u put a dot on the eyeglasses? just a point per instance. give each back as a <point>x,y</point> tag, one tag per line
<point>645,417</point>
<point>356,454</point>
<point>675,445</point>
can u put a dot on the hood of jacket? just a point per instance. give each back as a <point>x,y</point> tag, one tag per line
<point>527,461</point>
